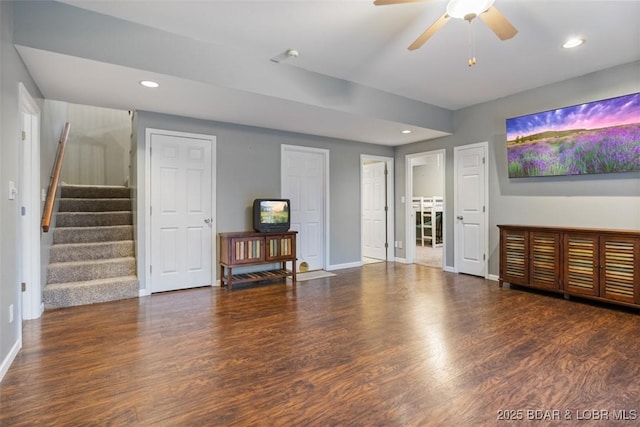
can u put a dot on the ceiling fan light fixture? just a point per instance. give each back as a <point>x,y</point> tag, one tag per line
<point>573,42</point>
<point>467,9</point>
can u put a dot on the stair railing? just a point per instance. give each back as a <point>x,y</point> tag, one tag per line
<point>55,178</point>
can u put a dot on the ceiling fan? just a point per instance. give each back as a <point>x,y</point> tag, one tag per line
<point>463,9</point>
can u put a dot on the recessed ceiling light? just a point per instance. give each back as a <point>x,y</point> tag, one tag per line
<point>149,83</point>
<point>406,131</point>
<point>573,42</point>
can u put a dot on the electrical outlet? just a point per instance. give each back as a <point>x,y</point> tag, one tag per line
<point>11,313</point>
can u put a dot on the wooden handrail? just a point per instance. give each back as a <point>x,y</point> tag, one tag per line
<point>55,178</point>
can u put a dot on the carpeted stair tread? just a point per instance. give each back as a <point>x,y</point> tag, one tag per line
<point>59,295</point>
<point>93,219</point>
<point>92,234</point>
<point>93,205</point>
<point>95,191</point>
<point>92,258</point>
<point>74,271</point>
<point>68,252</point>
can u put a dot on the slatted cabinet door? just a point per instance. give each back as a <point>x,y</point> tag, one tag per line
<point>514,263</point>
<point>581,264</point>
<point>544,259</point>
<point>279,247</point>
<point>246,250</point>
<point>619,276</point>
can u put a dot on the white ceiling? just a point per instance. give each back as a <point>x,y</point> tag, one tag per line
<point>351,40</point>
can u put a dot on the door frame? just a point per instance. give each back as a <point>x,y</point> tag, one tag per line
<point>146,208</point>
<point>410,229</point>
<point>456,228</point>
<point>390,255</point>
<point>31,299</point>
<point>325,153</point>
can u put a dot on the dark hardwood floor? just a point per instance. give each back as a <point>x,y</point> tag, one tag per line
<point>382,345</point>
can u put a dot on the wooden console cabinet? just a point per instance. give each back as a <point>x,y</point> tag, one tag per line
<point>598,264</point>
<point>241,249</point>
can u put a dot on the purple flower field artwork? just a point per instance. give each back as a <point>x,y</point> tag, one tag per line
<point>596,137</point>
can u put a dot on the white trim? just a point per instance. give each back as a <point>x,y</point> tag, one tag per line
<point>492,277</point>
<point>11,356</point>
<point>343,266</point>
<point>391,229</point>
<point>449,269</point>
<point>31,299</point>
<point>325,152</point>
<point>144,214</point>
<point>142,293</point>
<point>485,147</point>
<point>410,229</point>
<point>401,260</point>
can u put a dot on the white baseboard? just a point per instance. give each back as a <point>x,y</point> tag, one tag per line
<point>492,277</point>
<point>142,293</point>
<point>345,265</point>
<point>6,363</point>
<point>401,260</point>
<point>449,269</point>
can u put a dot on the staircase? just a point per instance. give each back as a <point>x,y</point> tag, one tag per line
<point>92,258</point>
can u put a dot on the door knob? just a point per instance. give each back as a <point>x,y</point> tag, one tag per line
<point>208,220</point>
<point>460,217</point>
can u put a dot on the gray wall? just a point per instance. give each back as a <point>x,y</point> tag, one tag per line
<point>97,152</point>
<point>12,71</point>
<point>256,153</point>
<point>428,179</point>
<point>605,201</point>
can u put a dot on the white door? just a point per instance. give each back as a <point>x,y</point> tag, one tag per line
<point>304,183</point>
<point>181,211</point>
<point>373,210</point>
<point>470,209</point>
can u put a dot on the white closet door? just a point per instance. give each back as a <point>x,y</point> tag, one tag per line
<point>182,220</point>
<point>470,208</point>
<point>303,182</point>
<point>373,213</point>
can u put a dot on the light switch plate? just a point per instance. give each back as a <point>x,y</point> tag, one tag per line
<point>13,191</point>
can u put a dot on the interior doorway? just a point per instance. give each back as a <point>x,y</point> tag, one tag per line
<point>376,189</point>
<point>425,208</point>
<point>29,197</point>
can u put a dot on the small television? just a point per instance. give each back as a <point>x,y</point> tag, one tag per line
<point>595,137</point>
<point>271,215</point>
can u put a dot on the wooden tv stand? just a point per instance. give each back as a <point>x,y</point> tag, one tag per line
<point>245,248</point>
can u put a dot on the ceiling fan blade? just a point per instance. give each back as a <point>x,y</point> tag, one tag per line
<point>387,2</point>
<point>429,32</point>
<point>498,23</point>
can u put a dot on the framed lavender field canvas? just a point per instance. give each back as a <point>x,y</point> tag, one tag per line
<point>596,137</point>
